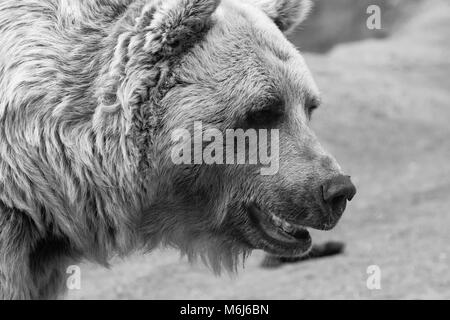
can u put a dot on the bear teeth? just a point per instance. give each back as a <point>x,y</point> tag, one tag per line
<point>276,221</point>
<point>287,227</point>
<point>282,224</point>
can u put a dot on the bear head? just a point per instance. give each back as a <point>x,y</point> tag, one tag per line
<point>208,67</point>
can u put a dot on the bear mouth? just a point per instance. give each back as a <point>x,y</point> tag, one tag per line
<point>281,236</point>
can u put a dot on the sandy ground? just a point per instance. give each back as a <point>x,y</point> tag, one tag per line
<point>386,118</point>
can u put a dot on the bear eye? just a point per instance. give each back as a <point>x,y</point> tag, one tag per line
<point>310,110</point>
<point>311,106</point>
<point>266,116</point>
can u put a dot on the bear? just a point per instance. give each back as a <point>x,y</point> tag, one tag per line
<point>90,95</point>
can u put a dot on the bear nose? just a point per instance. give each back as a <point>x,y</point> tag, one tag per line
<point>337,191</point>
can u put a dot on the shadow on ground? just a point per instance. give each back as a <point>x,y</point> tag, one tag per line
<point>338,21</point>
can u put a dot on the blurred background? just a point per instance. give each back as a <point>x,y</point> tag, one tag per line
<point>386,117</point>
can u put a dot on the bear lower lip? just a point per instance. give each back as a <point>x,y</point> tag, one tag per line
<point>278,229</point>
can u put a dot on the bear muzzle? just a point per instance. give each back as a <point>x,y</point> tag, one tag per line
<point>334,195</point>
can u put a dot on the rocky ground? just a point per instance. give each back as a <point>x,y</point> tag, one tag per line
<point>386,118</point>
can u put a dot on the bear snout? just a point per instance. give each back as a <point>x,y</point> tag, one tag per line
<point>335,193</point>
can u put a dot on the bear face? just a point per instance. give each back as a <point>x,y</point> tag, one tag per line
<point>244,74</point>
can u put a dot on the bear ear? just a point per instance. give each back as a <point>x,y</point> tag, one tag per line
<point>287,14</point>
<point>171,25</point>
<point>147,36</point>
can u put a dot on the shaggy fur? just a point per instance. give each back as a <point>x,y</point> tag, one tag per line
<point>89,93</point>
